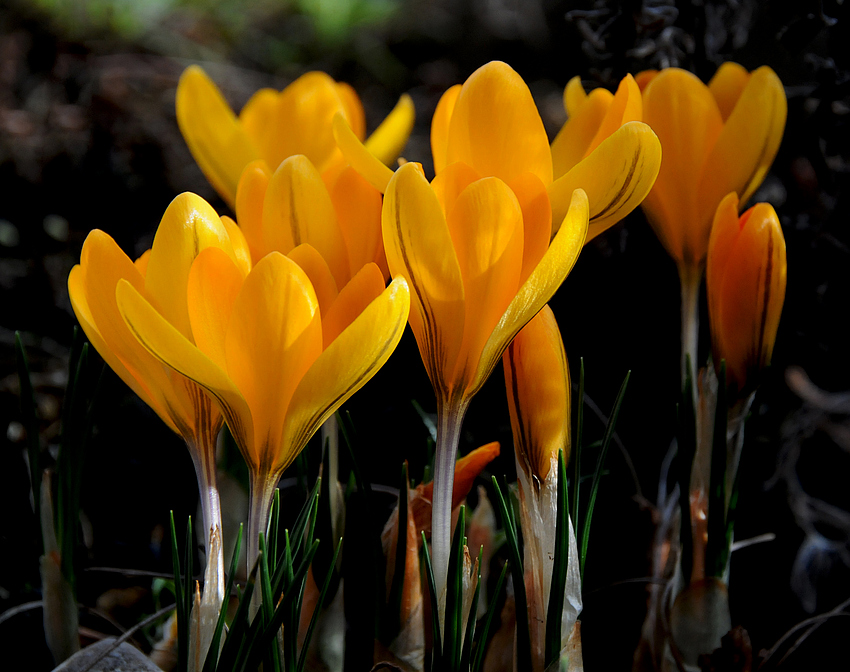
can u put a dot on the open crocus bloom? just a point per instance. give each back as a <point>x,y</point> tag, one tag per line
<point>717,139</point>
<point>479,269</point>
<point>189,226</point>
<point>746,275</point>
<point>490,127</point>
<point>274,125</point>
<point>537,380</point>
<point>277,366</point>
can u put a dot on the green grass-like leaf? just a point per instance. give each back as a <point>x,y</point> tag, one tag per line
<point>30,421</point>
<point>714,551</point>
<point>481,645</point>
<point>180,603</point>
<point>686,438</point>
<point>577,446</point>
<point>211,662</point>
<point>555,611</point>
<point>437,642</point>
<point>302,659</point>
<point>471,617</point>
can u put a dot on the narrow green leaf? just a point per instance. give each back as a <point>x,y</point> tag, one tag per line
<point>30,422</point>
<point>714,549</point>
<point>346,427</point>
<point>471,617</point>
<point>212,655</point>
<point>597,477</point>
<point>576,449</point>
<point>454,596</point>
<point>437,646</point>
<point>426,420</point>
<point>180,603</point>
<point>686,438</point>
<point>272,531</point>
<point>237,640</point>
<point>302,659</point>
<point>555,611</point>
<point>481,645</point>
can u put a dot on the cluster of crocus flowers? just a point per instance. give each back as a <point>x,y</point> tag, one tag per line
<point>717,138</point>
<point>188,228</point>
<point>537,380</point>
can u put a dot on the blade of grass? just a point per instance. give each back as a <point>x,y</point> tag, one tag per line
<point>597,477</point>
<point>687,444</point>
<point>437,646</point>
<point>714,550</point>
<point>212,656</point>
<point>302,659</point>
<point>555,612</point>
<point>346,428</point>
<point>577,446</point>
<point>471,617</point>
<point>454,596</point>
<point>481,645</point>
<point>180,603</point>
<point>30,421</point>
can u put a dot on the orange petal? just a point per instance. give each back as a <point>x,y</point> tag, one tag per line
<point>250,196</point>
<point>440,127</point>
<point>362,289</point>
<point>316,268</point>
<point>450,182</point>
<point>536,219</point>
<point>626,106</point>
<point>358,210</point>
<point>575,137</point>
<point>726,86</point>
<point>258,118</point>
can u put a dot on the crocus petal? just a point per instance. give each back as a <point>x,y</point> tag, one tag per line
<point>573,140</point>
<point>79,303</point>
<point>391,136</point>
<point>440,127</point>
<point>274,336</point>
<point>258,118</point>
<point>218,142</point>
<point>536,218</point>
<point>362,289</point>
<point>450,183</point>
<point>170,347</point>
<point>419,248</point>
<point>354,113</point>
<point>298,209</point>
<point>574,95</point>
<point>214,282</point>
<point>727,85</point>
<point>317,269</point>
<point>360,158</point>
<point>537,379</point>
<point>541,285</point>
<point>748,142</point>
<point>345,366</point>
<point>358,210</point>
<point>250,196</point>
<point>486,230</point>
<point>141,263</point>
<point>626,106</point>
<point>616,177</point>
<point>496,128</point>
<point>644,77</point>
<point>188,226</point>
<point>241,251</point>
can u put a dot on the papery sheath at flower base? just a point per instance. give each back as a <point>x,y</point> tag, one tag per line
<point>537,380</point>
<point>275,125</point>
<point>276,366</point>
<point>717,138</point>
<point>745,283</point>
<point>188,227</point>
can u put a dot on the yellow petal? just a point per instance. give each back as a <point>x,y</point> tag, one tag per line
<point>170,347</point>
<point>217,140</point>
<point>345,366</point>
<point>486,229</point>
<point>358,210</point>
<point>360,158</point>
<point>241,251</point>
<point>214,282</point>
<point>573,140</point>
<point>250,195</point>
<point>574,95</point>
<point>537,380</point>
<point>362,289</point>
<point>496,128</point>
<point>540,286</point>
<point>726,86</point>
<point>440,127</point>
<point>77,293</point>
<point>616,177</point>
<point>451,182</point>
<point>274,336</point>
<point>258,118</point>
<point>142,263</point>
<point>419,248</point>
<point>391,136</point>
<point>683,114</point>
<point>748,143</point>
<point>316,268</point>
<point>188,226</point>
<point>536,218</point>
<point>353,108</point>
<point>644,77</point>
<point>298,209</point>
<point>626,106</point>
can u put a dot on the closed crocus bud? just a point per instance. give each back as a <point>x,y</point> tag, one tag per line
<point>746,274</point>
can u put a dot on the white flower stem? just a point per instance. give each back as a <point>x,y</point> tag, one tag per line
<point>260,499</point>
<point>449,421</point>
<point>690,278</point>
<point>204,460</point>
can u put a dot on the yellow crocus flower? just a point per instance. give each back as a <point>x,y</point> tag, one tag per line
<point>275,125</point>
<point>188,227</point>
<point>745,282</point>
<point>276,365</point>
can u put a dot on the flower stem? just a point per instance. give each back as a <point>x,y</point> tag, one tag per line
<point>449,421</point>
<point>259,502</point>
<point>690,278</point>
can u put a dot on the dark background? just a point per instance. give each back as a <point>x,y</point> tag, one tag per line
<point>88,139</point>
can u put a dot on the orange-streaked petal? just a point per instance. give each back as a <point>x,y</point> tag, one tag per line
<point>419,248</point>
<point>317,269</point>
<point>250,196</point>
<point>297,210</point>
<point>573,140</point>
<point>188,226</point>
<point>347,364</point>
<point>496,128</point>
<point>214,282</point>
<point>726,86</point>
<point>258,118</point>
<point>170,347</point>
<point>440,127</point>
<point>360,158</point>
<point>536,219</point>
<point>748,143</point>
<point>361,290</point>
<point>541,285</point>
<point>274,336</point>
<point>450,182</point>
<point>358,210</point>
<point>487,232</point>
<point>217,140</point>
<point>241,251</point>
<point>626,106</point>
<point>616,177</point>
<point>537,380</point>
<point>391,136</point>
